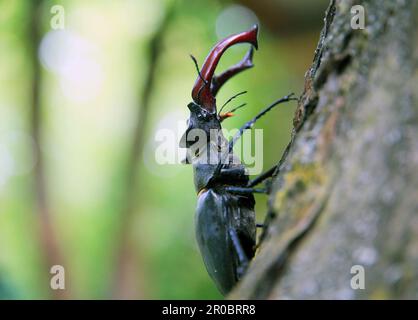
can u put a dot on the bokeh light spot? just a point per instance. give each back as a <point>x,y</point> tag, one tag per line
<point>234,19</point>
<point>75,61</point>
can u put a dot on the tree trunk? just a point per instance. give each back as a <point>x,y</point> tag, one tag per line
<point>347,191</point>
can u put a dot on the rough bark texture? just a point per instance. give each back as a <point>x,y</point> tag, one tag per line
<point>347,191</point>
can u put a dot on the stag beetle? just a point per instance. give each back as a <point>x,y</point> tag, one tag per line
<point>225,220</point>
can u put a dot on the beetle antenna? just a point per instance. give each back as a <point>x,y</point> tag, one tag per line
<point>197,68</point>
<point>239,107</point>
<point>223,116</point>
<point>200,76</point>
<point>230,99</point>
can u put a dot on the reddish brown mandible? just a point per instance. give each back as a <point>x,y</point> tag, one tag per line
<point>206,87</point>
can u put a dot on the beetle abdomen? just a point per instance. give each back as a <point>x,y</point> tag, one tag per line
<point>217,212</point>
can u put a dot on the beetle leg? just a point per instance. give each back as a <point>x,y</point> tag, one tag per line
<point>250,123</point>
<point>242,257</point>
<point>268,174</point>
<point>272,171</point>
<point>233,175</point>
<point>244,190</point>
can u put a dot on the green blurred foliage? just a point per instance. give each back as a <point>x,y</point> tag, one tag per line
<point>87,129</point>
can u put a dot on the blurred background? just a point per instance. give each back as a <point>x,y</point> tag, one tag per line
<point>84,87</point>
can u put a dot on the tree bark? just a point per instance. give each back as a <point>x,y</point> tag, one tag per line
<point>347,190</point>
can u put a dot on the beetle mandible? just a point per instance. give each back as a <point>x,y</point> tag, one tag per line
<point>225,220</point>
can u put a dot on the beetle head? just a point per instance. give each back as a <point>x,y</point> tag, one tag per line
<point>201,119</point>
<point>203,112</point>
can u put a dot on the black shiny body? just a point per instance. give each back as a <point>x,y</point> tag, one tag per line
<point>219,213</point>
<point>225,219</point>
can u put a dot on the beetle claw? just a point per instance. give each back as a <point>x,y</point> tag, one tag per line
<point>241,270</point>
